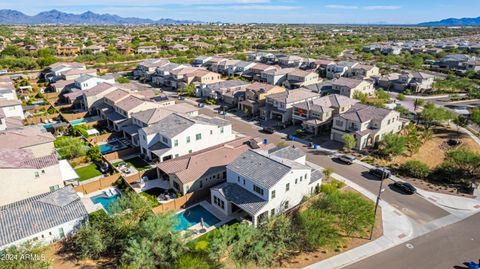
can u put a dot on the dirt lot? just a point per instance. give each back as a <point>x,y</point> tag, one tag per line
<point>433,151</point>
<point>307,258</point>
<point>66,260</point>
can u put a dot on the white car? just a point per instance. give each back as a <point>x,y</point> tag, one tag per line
<point>348,159</point>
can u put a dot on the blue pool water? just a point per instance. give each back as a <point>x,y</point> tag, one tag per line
<point>79,121</point>
<point>48,125</point>
<point>193,216</point>
<point>104,200</point>
<point>106,148</point>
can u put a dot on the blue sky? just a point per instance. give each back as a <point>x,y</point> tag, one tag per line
<point>274,11</point>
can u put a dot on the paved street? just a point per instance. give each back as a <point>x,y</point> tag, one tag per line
<point>413,206</point>
<point>448,247</point>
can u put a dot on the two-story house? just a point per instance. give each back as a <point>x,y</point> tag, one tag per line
<point>230,92</point>
<point>416,81</point>
<point>29,164</point>
<point>317,114</point>
<point>368,124</point>
<point>255,96</point>
<point>146,68</point>
<point>54,71</point>
<point>280,105</point>
<point>85,82</point>
<point>261,184</point>
<point>205,168</point>
<point>339,69</point>
<point>363,71</point>
<point>348,86</point>
<point>301,78</point>
<point>177,135</point>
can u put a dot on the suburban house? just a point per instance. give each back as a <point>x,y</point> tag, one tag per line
<point>363,71</point>
<point>230,92</point>
<point>11,109</point>
<point>275,76</point>
<point>67,50</point>
<point>146,68</point>
<point>43,218</point>
<point>28,156</point>
<point>261,184</point>
<point>205,168</point>
<point>367,124</point>
<point>85,82</point>
<point>317,114</point>
<point>179,47</point>
<point>255,72</point>
<point>416,81</point>
<point>255,96</point>
<point>290,61</point>
<point>147,49</point>
<point>301,78</point>
<point>348,86</point>
<point>177,135</point>
<point>339,69</point>
<point>280,105</point>
<point>93,49</point>
<point>73,74</point>
<point>239,68</point>
<point>201,60</point>
<point>54,71</point>
<point>163,74</point>
<point>453,62</point>
<point>322,65</point>
<point>151,116</point>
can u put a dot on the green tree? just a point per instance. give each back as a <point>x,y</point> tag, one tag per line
<point>91,242</point>
<point>349,141</point>
<point>432,114</point>
<point>122,80</point>
<point>382,94</point>
<point>69,147</point>
<point>401,97</point>
<point>392,145</point>
<point>415,168</point>
<point>318,229</point>
<point>362,97</point>
<point>462,164</point>
<point>95,154</point>
<point>475,116</point>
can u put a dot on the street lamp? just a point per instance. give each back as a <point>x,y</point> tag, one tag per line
<point>380,190</point>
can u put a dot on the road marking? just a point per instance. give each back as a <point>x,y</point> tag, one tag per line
<point>409,246</point>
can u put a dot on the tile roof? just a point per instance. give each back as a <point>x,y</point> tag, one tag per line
<point>39,213</point>
<point>326,103</point>
<point>22,158</point>
<point>363,113</point>
<point>347,82</point>
<point>296,95</point>
<point>130,103</point>
<point>244,199</point>
<point>289,153</point>
<point>25,137</point>
<point>263,169</point>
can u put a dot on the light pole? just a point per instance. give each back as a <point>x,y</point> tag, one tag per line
<point>380,190</point>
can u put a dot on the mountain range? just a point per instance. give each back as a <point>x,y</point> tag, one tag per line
<point>453,22</point>
<point>8,16</point>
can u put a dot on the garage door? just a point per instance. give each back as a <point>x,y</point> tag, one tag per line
<point>338,137</point>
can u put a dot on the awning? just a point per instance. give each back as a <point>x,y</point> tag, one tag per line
<point>67,171</point>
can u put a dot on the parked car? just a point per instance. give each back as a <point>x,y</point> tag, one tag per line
<point>405,187</point>
<point>348,159</point>
<point>268,130</point>
<point>380,172</point>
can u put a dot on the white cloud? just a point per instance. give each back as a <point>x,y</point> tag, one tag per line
<point>382,7</point>
<point>250,7</point>
<point>341,7</point>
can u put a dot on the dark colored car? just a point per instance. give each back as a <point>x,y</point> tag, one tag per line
<point>405,187</point>
<point>380,172</point>
<point>268,130</point>
<point>348,159</point>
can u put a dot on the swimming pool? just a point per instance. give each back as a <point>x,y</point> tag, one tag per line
<point>48,125</point>
<point>83,120</point>
<point>113,145</point>
<point>104,201</point>
<point>193,216</point>
<point>106,148</point>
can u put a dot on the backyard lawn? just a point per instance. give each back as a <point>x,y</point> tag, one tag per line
<point>87,172</point>
<point>136,162</point>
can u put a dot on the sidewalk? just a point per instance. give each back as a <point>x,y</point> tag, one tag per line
<point>397,228</point>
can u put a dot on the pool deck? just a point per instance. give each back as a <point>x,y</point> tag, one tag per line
<point>197,229</point>
<point>150,184</point>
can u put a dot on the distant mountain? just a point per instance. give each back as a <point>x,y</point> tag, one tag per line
<point>453,22</point>
<point>8,16</point>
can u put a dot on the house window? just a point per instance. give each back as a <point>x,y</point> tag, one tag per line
<point>287,187</point>
<point>296,180</point>
<point>188,139</point>
<point>258,190</point>
<point>301,177</point>
<point>338,123</point>
<point>175,142</point>
<point>211,132</point>
<point>198,136</point>
<point>243,182</point>
<point>221,130</point>
<point>164,139</point>
<point>305,176</point>
<point>176,155</point>
<point>176,185</point>
<point>54,188</point>
<point>272,212</point>
<point>285,205</point>
<point>190,151</point>
<point>37,175</point>
<point>273,194</point>
<point>219,202</point>
<point>238,179</point>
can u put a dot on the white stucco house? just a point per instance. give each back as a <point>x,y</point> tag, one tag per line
<point>42,219</point>
<point>261,184</point>
<point>177,135</point>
